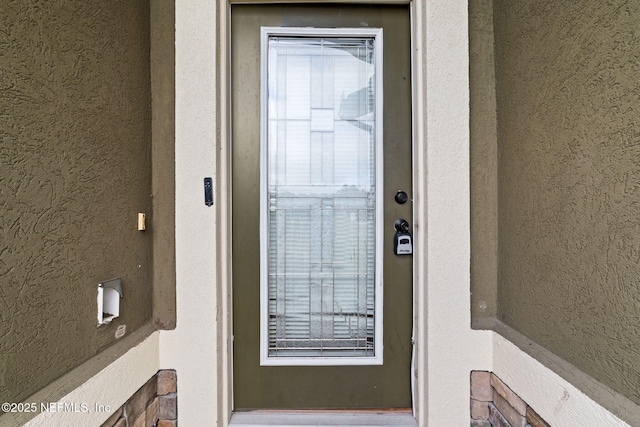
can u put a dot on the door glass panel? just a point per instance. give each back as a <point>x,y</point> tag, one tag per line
<point>320,272</point>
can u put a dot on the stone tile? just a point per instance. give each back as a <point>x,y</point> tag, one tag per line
<point>534,419</point>
<point>151,415</point>
<point>111,421</point>
<point>479,410</point>
<point>168,407</point>
<point>514,400</point>
<point>140,421</point>
<point>141,399</point>
<point>480,423</point>
<point>507,411</point>
<point>167,423</point>
<point>167,382</point>
<point>481,386</point>
<point>495,417</point>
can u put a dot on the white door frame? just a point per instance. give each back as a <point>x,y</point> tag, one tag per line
<point>223,166</point>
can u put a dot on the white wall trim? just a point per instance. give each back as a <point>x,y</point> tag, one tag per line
<point>442,167</point>
<point>193,349</point>
<point>539,375</point>
<point>557,401</point>
<point>111,387</point>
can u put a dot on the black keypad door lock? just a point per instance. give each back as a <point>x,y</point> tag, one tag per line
<point>402,244</point>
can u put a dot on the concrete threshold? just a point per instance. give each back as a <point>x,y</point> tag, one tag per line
<point>323,418</point>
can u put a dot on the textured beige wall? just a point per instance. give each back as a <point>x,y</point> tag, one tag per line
<point>483,161</point>
<point>75,168</point>
<point>569,181</point>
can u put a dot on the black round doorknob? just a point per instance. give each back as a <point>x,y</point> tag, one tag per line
<point>401,197</point>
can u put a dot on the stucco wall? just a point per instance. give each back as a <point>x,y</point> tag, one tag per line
<point>569,181</point>
<point>483,161</point>
<point>75,168</point>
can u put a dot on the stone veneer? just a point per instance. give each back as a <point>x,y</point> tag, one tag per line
<point>155,404</point>
<point>494,404</point>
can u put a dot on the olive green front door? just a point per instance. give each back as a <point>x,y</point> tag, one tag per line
<point>321,175</point>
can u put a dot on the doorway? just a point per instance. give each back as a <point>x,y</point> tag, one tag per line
<point>334,328</point>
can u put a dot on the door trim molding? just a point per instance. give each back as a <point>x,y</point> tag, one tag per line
<point>224,334</point>
<point>224,302</point>
<point>419,368</point>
